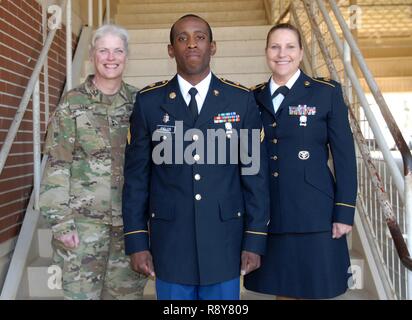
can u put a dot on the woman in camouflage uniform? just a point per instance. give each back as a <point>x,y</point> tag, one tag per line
<point>82,184</point>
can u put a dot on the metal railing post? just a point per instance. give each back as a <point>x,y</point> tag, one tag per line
<point>100,12</point>
<point>348,60</point>
<point>370,80</point>
<point>90,13</point>
<point>313,47</point>
<point>394,170</point>
<point>107,11</point>
<point>408,211</point>
<point>8,142</point>
<point>45,66</point>
<point>36,145</point>
<point>69,45</point>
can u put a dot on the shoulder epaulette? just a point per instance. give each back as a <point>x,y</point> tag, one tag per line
<point>234,84</point>
<point>260,85</point>
<point>154,86</point>
<point>325,81</point>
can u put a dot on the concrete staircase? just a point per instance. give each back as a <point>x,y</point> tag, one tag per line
<point>149,14</point>
<point>240,55</point>
<point>239,28</point>
<point>40,281</point>
<point>390,61</point>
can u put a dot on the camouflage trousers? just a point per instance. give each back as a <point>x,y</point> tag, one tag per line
<point>98,268</point>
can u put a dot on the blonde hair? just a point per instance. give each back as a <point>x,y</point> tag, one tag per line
<point>113,30</point>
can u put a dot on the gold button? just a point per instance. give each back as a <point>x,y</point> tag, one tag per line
<point>274,157</point>
<point>275,174</point>
<point>196,157</point>
<point>197,177</point>
<point>198,197</point>
<point>275,141</point>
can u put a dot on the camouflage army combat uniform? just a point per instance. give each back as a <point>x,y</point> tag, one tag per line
<point>81,190</point>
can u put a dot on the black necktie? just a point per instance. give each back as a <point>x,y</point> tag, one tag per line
<point>283,90</point>
<point>193,103</point>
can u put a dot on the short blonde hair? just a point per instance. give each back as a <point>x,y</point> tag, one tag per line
<point>113,30</point>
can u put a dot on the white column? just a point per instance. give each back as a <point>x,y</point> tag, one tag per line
<point>69,45</point>
<point>36,144</point>
<point>90,13</point>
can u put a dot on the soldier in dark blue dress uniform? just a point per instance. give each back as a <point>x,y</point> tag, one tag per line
<point>207,221</point>
<point>311,209</point>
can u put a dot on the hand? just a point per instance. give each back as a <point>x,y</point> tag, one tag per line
<point>250,262</point>
<point>142,262</point>
<point>339,229</point>
<point>70,240</point>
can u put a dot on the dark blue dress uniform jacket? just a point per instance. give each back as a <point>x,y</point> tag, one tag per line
<point>305,196</point>
<point>193,240</point>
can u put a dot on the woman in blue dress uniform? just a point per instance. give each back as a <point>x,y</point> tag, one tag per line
<point>305,119</point>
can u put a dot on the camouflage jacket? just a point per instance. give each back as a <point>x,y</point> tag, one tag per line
<point>85,143</point>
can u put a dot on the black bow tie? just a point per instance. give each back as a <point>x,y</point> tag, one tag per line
<point>283,90</point>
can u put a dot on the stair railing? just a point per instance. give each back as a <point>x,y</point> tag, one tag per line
<point>383,203</point>
<point>21,251</point>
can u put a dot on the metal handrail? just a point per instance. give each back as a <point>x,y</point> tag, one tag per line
<point>31,219</point>
<point>284,14</point>
<point>397,136</point>
<point>394,170</point>
<point>374,88</point>
<point>383,198</point>
<point>11,135</point>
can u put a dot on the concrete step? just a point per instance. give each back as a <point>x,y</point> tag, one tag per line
<point>175,1</point>
<point>161,35</point>
<point>39,283</point>
<point>145,26</point>
<point>386,52</point>
<point>154,67</point>
<point>170,18</point>
<point>358,270</point>
<point>193,6</point>
<point>44,237</point>
<point>237,48</point>
<point>390,84</point>
<point>390,66</point>
<point>42,277</point>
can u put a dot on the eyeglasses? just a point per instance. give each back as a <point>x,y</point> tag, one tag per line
<point>104,52</point>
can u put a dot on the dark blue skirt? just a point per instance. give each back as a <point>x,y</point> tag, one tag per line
<point>306,265</point>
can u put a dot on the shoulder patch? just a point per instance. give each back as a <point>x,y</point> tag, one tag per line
<point>234,84</point>
<point>324,81</point>
<point>260,85</point>
<point>154,86</point>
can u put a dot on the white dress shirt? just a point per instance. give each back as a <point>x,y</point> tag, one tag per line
<point>273,86</point>
<point>202,89</point>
